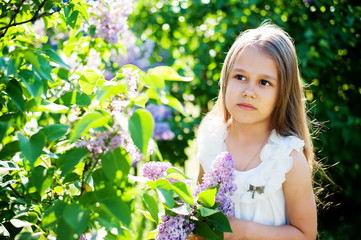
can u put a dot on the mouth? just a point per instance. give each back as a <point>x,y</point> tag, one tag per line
<point>246,106</point>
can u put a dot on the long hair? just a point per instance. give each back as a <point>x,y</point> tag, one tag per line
<point>289,116</point>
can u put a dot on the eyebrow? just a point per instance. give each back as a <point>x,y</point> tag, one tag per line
<point>267,76</point>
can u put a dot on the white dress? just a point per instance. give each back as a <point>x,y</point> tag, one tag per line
<point>259,196</point>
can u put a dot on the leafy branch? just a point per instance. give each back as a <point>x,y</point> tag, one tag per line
<point>35,17</point>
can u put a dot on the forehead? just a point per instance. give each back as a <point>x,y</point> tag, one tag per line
<point>254,60</point>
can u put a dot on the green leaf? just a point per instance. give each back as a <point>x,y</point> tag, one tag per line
<point>173,170</point>
<point>207,211</point>
<point>32,148</point>
<point>221,222</point>
<point>13,89</point>
<point>151,235</point>
<point>140,100</point>
<point>54,56</point>
<point>90,120</point>
<point>167,73</point>
<point>55,131</point>
<point>116,165</point>
<point>73,97</point>
<point>9,149</point>
<point>32,82</point>
<point>88,81</point>
<point>7,66</point>
<point>183,192</point>
<point>203,230</point>
<point>53,214</point>
<point>62,73</point>
<point>41,179</point>
<point>3,129</point>
<point>146,214</point>
<point>174,103</point>
<point>109,90</point>
<point>154,81</point>
<point>118,209</point>
<point>151,205</point>
<point>40,63</point>
<point>70,159</point>
<point>141,126</point>
<point>165,189</point>
<point>71,21</point>
<point>51,107</point>
<point>76,217</point>
<point>207,197</point>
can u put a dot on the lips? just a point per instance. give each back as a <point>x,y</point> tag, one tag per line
<point>246,106</point>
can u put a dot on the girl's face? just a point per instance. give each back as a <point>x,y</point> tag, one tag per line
<point>253,87</point>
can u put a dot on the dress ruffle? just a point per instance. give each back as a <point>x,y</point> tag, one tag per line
<point>270,174</point>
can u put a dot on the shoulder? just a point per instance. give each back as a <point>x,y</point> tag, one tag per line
<point>298,179</point>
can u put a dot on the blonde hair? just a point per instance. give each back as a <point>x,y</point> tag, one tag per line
<point>289,116</point>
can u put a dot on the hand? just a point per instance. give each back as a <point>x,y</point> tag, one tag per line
<point>195,237</point>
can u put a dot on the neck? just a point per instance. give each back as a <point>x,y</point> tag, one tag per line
<point>248,133</point>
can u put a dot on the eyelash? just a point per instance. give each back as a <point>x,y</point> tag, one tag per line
<point>262,82</point>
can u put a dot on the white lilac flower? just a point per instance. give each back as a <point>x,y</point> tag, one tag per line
<point>132,77</point>
<point>174,228</point>
<point>155,170</point>
<point>110,18</point>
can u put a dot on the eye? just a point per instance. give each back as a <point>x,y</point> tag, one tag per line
<point>240,77</point>
<point>265,83</point>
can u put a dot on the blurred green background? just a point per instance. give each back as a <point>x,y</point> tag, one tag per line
<point>194,36</point>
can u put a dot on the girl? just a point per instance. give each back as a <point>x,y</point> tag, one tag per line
<point>260,118</point>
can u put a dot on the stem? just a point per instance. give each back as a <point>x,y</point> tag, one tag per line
<point>16,192</point>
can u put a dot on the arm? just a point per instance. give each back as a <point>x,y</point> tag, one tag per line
<point>200,174</point>
<point>301,209</point>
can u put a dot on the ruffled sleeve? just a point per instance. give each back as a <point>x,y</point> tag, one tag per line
<point>210,141</point>
<point>268,177</point>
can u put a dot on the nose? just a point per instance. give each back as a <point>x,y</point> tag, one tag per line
<point>249,91</point>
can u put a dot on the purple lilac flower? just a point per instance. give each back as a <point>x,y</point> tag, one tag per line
<point>174,228</point>
<point>222,172</point>
<point>162,131</point>
<point>135,54</point>
<point>105,141</point>
<point>155,170</point>
<point>159,112</point>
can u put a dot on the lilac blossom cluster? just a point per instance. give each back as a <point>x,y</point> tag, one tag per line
<point>110,18</point>
<point>155,170</point>
<point>174,228</point>
<point>221,172</point>
<point>104,142</point>
<point>161,129</point>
